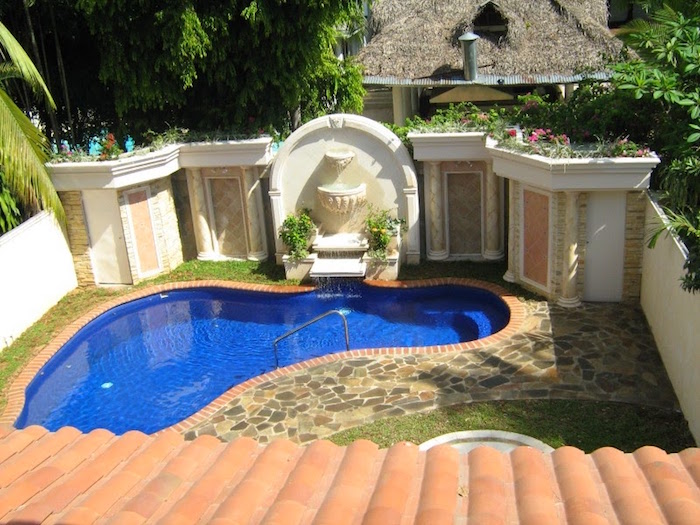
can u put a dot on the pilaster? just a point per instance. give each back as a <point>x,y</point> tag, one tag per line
<point>435,220</point>
<point>569,297</point>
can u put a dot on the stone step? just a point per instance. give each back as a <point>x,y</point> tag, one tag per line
<point>338,268</point>
<point>340,242</point>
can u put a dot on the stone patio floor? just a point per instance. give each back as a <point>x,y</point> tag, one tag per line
<point>596,351</point>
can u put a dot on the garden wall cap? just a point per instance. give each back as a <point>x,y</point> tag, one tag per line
<point>69,477</point>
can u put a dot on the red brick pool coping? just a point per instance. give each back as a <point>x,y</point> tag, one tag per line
<point>16,398</point>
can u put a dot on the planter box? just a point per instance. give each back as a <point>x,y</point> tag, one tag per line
<point>442,147</point>
<point>584,174</point>
<point>379,270</point>
<point>299,268</point>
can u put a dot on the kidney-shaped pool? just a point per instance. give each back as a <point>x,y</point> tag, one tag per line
<point>152,362</point>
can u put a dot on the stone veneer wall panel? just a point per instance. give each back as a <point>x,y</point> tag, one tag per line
<point>183,212</point>
<point>78,238</point>
<point>536,236</point>
<point>143,238</point>
<point>515,187</point>
<point>229,216</point>
<point>168,235</point>
<point>634,245</point>
<point>558,237</point>
<point>465,206</point>
<point>165,227</point>
<point>582,214</point>
<point>464,213</point>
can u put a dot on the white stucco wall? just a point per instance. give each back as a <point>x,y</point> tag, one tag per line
<point>673,315</point>
<point>36,271</point>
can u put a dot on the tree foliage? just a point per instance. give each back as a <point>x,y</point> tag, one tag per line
<point>222,63</point>
<point>23,147</point>
<point>667,77</point>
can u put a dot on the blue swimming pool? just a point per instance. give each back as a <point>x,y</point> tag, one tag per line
<point>150,363</point>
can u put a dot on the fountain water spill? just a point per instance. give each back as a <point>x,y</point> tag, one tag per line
<point>336,287</point>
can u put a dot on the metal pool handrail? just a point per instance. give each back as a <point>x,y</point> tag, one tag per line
<point>308,323</point>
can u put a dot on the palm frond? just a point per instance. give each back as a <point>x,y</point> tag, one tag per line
<point>8,71</point>
<point>19,58</point>
<point>23,154</point>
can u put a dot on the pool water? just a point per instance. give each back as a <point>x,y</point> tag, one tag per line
<point>150,363</point>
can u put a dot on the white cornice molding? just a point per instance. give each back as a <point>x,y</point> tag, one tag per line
<point>449,146</point>
<point>138,169</point>
<point>580,174</point>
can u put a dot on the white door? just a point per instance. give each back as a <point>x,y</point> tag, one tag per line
<point>605,246</point>
<point>110,261</point>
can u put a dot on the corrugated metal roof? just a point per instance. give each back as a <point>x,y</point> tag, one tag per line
<point>486,80</point>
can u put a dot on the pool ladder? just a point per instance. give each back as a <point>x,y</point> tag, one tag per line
<point>309,323</point>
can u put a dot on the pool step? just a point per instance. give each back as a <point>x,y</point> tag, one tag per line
<point>340,242</point>
<point>338,268</point>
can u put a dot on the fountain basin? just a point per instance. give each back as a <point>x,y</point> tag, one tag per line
<point>339,159</point>
<point>342,198</point>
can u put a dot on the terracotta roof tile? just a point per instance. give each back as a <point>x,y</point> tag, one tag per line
<point>67,477</point>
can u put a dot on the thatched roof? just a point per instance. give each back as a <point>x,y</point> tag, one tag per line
<point>418,38</point>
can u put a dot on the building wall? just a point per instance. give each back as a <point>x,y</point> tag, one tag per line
<point>36,271</point>
<point>673,316</point>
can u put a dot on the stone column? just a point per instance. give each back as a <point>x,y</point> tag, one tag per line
<point>492,248</point>
<point>200,217</point>
<point>569,297</point>
<point>412,237</point>
<point>278,216</point>
<point>435,207</point>
<point>509,276</point>
<point>257,249</point>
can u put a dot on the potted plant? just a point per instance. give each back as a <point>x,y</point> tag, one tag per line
<point>296,233</point>
<point>384,239</point>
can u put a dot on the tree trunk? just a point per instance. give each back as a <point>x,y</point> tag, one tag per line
<point>62,74</point>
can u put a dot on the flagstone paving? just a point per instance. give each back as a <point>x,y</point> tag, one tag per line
<point>597,351</point>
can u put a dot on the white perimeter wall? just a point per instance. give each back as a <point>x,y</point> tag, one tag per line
<point>36,271</point>
<point>673,316</point>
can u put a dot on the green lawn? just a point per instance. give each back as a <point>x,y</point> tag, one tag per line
<point>588,425</point>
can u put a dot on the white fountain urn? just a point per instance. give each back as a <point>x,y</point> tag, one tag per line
<point>338,197</point>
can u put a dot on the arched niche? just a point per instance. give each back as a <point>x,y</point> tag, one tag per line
<point>380,161</point>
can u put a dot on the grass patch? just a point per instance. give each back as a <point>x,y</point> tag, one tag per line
<point>588,425</point>
<point>491,271</point>
<point>264,272</point>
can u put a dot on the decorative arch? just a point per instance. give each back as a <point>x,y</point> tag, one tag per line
<point>383,164</point>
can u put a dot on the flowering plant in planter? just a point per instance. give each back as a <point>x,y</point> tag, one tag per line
<point>381,227</point>
<point>295,233</point>
<point>544,142</point>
